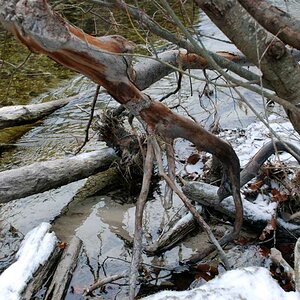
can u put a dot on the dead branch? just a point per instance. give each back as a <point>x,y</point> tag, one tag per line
<point>138,229</point>
<point>176,233</point>
<point>100,283</point>
<point>188,205</point>
<point>86,139</point>
<point>97,59</point>
<point>227,63</point>
<point>252,168</point>
<point>171,172</point>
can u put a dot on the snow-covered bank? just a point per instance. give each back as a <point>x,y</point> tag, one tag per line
<point>247,283</point>
<point>35,249</point>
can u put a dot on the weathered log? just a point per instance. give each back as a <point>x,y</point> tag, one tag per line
<point>25,114</point>
<point>43,176</point>
<point>42,275</point>
<point>64,270</point>
<point>170,237</point>
<point>206,194</point>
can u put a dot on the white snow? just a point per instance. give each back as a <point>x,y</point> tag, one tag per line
<point>257,135</point>
<point>34,251</point>
<point>259,211</point>
<point>248,284</point>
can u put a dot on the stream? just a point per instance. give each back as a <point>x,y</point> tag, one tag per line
<point>105,223</point>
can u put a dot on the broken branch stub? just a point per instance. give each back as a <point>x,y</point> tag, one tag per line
<point>101,59</point>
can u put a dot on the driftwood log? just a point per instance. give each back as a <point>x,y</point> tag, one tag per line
<point>42,275</point>
<point>207,195</point>
<point>43,176</point>
<point>26,114</point>
<point>64,270</point>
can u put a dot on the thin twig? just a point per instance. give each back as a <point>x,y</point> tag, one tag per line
<point>137,244</point>
<point>171,171</point>
<point>176,90</point>
<point>87,129</point>
<point>104,281</point>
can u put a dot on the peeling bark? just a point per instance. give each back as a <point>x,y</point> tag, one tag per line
<point>150,70</point>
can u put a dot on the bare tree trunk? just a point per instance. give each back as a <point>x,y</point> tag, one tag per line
<point>275,20</point>
<point>264,50</point>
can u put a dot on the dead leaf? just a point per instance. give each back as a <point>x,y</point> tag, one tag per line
<point>205,271</point>
<point>62,245</point>
<point>193,159</point>
<point>271,226</point>
<point>256,185</point>
<point>278,196</point>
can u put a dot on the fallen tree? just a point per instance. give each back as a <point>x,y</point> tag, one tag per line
<point>26,114</point>
<point>43,176</point>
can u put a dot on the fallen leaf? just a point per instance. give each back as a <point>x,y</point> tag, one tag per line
<point>271,226</point>
<point>256,185</point>
<point>62,245</point>
<point>278,196</point>
<point>193,159</point>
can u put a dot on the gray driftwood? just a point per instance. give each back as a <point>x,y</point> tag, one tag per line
<point>170,237</point>
<point>42,275</point>
<point>64,270</point>
<point>43,176</point>
<point>25,114</point>
<point>206,194</point>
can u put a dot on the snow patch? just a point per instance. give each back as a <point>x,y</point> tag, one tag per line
<point>247,283</point>
<point>35,249</point>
